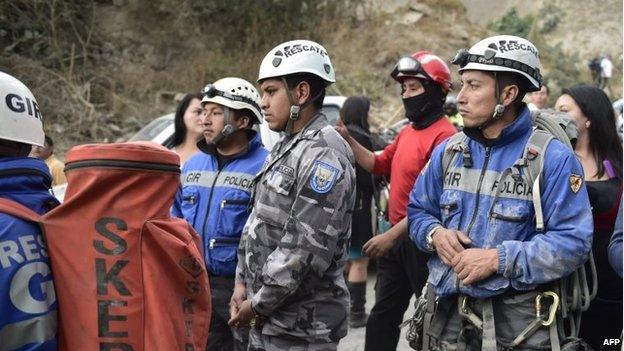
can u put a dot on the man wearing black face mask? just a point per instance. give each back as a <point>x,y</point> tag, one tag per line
<point>425,80</point>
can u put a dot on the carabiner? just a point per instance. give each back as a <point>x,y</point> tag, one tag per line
<point>553,307</point>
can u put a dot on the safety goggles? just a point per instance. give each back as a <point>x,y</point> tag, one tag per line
<point>211,91</point>
<point>408,66</point>
<point>463,57</point>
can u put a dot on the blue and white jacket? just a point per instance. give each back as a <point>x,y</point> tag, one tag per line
<point>463,200</point>
<point>28,307</point>
<point>215,201</point>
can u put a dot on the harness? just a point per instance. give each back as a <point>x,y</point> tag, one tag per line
<point>569,296</point>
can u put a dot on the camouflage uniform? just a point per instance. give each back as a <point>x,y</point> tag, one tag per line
<point>293,250</point>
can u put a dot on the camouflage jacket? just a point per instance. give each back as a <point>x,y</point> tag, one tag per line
<point>293,250</point>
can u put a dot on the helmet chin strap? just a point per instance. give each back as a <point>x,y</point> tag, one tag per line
<point>295,110</point>
<point>228,129</point>
<point>499,109</point>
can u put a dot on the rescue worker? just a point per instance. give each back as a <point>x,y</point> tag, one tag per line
<point>290,279</point>
<point>28,307</point>
<point>489,262</point>
<point>425,80</point>
<point>216,190</point>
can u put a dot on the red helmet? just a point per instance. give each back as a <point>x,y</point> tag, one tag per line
<point>424,65</point>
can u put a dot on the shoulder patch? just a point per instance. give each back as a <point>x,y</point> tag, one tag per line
<point>575,182</point>
<point>323,177</point>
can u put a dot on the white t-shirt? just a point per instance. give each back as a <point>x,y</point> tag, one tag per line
<point>606,68</point>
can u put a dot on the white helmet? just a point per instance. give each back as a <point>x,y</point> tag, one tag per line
<point>297,56</point>
<point>503,53</point>
<point>235,93</point>
<point>20,117</point>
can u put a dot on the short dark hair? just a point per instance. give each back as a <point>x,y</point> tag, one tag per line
<point>316,83</point>
<point>49,142</point>
<point>237,114</point>
<point>9,148</point>
<point>604,142</point>
<point>178,121</point>
<point>510,78</point>
<point>354,111</point>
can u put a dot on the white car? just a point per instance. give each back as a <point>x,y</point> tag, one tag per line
<point>161,131</point>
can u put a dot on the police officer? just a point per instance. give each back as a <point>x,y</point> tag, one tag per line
<point>290,281</point>
<point>489,262</point>
<point>216,190</point>
<point>28,308</point>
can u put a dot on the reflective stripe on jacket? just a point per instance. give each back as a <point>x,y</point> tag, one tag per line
<point>462,200</point>
<point>215,202</point>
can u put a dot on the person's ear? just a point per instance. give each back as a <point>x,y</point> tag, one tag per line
<point>244,122</point>
<point>509,94</point>
<point>302,92</point>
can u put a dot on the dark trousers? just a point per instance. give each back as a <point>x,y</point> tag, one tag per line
<point>401,274</point>
<point>222,336</point>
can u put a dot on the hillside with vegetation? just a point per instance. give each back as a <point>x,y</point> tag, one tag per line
<point>102,69</point>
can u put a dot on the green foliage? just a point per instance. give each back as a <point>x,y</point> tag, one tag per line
<point>550,17</point>
<point>511,23</point>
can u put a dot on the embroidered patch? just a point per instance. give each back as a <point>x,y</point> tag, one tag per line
<point>323,177</point>
<point>575,182</point>
<point>286,170</point>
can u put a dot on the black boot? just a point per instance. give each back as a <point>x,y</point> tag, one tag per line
<point>358,315</point>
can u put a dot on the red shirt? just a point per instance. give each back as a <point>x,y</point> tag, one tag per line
<point>405,158</point>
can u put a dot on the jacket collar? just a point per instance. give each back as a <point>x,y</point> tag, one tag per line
<point>254,144</point>
<point>26,180</point>
<point>520,127</point>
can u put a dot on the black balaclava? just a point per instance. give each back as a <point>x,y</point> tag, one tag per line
<point>424,109</point>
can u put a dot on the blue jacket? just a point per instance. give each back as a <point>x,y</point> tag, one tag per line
<point>215,201</point>
<point>28,307</point>
<point>463,201</point>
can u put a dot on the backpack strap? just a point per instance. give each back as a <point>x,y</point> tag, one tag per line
<point>455,144</point>
<point>534,155</point>
<point>18,210</point>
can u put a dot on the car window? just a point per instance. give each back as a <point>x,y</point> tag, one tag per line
<point>152,129</point>
<point>332,112</point>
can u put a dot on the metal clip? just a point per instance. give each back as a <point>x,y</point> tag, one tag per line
<point>553,307</point>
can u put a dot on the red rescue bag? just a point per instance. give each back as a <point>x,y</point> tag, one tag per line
<point>128,276</point>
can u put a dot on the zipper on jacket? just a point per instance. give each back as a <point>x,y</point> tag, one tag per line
<point>225,202</point>
<point>150,166</point>
<point>211,193</point>
<point>204,234</point>
<point>222,240</point>
<point>483,170</point>
<point>191,199</point>
<point>508,218</point>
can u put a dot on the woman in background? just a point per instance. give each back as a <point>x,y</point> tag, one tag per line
<point>188,125</point>
<point>354,115</point>
<point>599,149</point>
